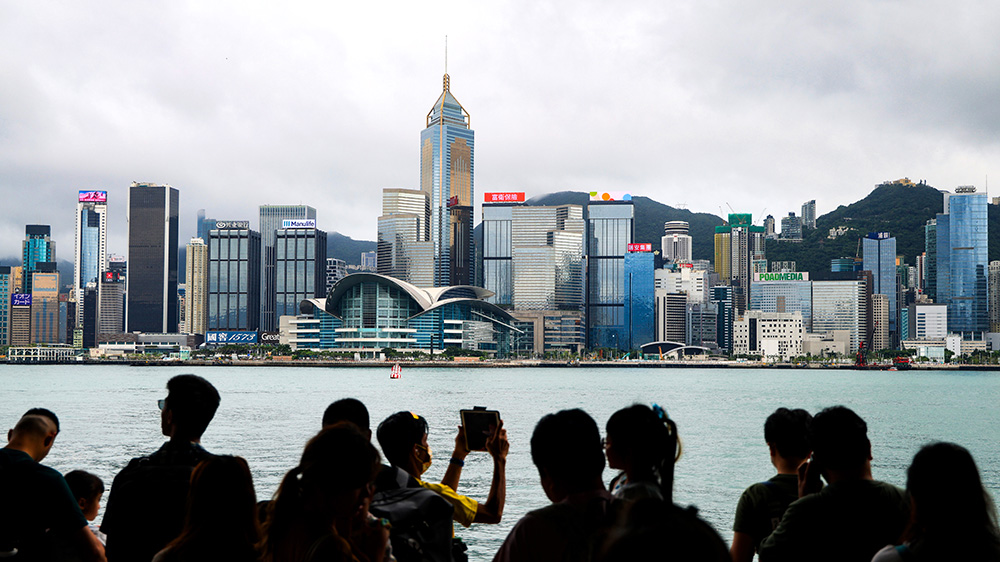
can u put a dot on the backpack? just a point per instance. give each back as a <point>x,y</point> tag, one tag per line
<point>421,519</point>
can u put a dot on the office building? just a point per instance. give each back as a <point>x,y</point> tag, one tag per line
<point>769,231</point>
<point>809,214</point>
<point>447,173</point>
<point>403,244</point>
<point>927,321</point>
<point>6,291</point>
<point>962,283</point>
<point>671,317</point>
<point>20,319</point>
<point>879,253</point>
<point>930,259</point>
<point>204,225</point>
<point>768,334</point>
<point>610,229</point>
<point>842,265</point>
<point>880,322</point>
<point>702,327</point>
<point>299,267</point>
<point>497,246</point>
<point>921,272</point>
<point>196,288</point>
<point>151,285</point>
<point>369,261</point>
<point>45,304</point>
<point>791,227</point>
<point>842,301</point>
<point>722,297</point>
<point>994,290</point>
<point>38,247</point>
<point>640,302</point>
<point>692,282</point>
<point>234,277</point>
<point>90,256</point>
<point>784,293</point>
<point>111,304</point>
<point>737,246</point>
<point>273,217</point>
<point>782,266</point>
<point>675,245</point>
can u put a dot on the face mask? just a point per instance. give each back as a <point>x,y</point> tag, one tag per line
<point>427,463</point>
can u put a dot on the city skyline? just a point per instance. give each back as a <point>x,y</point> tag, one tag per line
<point>230,107</point>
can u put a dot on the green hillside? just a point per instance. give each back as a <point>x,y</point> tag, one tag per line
<point>346,248</point>
<point>649,218</point>
<point>896,208</point>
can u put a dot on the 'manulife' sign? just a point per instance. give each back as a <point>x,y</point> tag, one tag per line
<point>784,276</point>
<point>298,223</point>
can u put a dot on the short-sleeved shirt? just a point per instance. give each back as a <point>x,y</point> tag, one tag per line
<point>37,504</point>
<point>147,502</point>
<point>465,507</point>
<point>567,531</point>
<point>847,520</point>
<point>761,506</point>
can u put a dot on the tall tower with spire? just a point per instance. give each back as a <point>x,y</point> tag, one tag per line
<point>447,149</point>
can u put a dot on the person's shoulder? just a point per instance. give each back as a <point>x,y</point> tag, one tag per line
<point>888,554</point>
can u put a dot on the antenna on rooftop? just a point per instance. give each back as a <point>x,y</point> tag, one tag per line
<point>446,54</point>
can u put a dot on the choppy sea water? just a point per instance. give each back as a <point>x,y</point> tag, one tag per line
<point>108,415</point>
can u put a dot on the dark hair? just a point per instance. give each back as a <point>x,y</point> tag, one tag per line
<point>566,446</point>
<point>45,412</point>
<point>788,431</point>
<point>398,433</point>
<point>347,409</point>
<point>221,519</point>
<point>648,438</point>
<point>84,485</point>
<point>338,459</point>
<point>952,516</point>
<point>193,401</point>
<point>839,438</point>
<point>649,529</point>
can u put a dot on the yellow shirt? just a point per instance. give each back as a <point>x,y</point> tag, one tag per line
<point>465,507</point>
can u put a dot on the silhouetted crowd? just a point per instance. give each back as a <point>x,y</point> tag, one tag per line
<point>345,502</point>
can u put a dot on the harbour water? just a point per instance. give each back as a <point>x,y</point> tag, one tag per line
<point>108,415</point>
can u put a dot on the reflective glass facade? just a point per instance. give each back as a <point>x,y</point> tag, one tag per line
<point>841,305</point>
<point>38,247</point>
<point>610,228</point>
<point>930,259</point>
<point>299,268</point>
<point>151,285</point>
<point>271,218</point>
<point>498,252</point>
<point>722,298</point>
<point>91,255</point>
<point>234,279</point>
<point>447,172</point>
<point>962,263</point>
<point>784,296</point>
<point>879,252</point>
<point>640,303</point>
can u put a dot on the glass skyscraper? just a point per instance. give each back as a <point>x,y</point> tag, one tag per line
<point>610,229</point>
<point>402,237</point>
<point>930,259</point>
<point>447,156</point>
<point>38,247</point>
<point>151,284</point>
<point>640,302</point>
<point>784,296</point>
<point>962,263</point>
<point>233,277</point>
<point>879,253</point>
<point>91,252</point>
<point>299,268</point>
<point>272,218</point>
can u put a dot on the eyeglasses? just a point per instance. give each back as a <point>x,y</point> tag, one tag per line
<point>161,403</point>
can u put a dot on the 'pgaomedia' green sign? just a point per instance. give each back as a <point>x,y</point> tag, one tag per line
<point>784,276</point>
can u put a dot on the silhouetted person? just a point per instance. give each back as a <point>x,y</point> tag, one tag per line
<point>38,513</point>
<point>146,505</point>
<point>650,529</point>
<point>853,516</point>
<point>952,516</point>
<point>566,449</point>
<point>642,442</point>
<point>349,410</point>
<point>761,506</point>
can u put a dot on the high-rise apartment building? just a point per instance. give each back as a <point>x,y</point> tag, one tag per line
<point>880,322</point>
<point>809,214</point>
<point>447,156</point>
<point>6,290</point>
<point>234,277</point>
<point>403,245</point>
<point>196,290</point>
<point>769,232</point>
<point>610,229</point>
<point>791,227</point>
<point>930,259</point>
<point>151,284</point>
<point>994,289</point>
<point>879,253</point>
<point>962,277</point>
<point>675,245</point>
<point>336,270</point>
<point>38,247</point>
<point>272,218</point>
<point>90,256</point>
<point>737,246</point>
<point>299,266</point>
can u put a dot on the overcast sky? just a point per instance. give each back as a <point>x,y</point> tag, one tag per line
<point>697,103</point>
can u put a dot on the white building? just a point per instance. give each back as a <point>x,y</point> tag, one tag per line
<point>675,245</point>
<point>692,282</point>
<point>768,334</point>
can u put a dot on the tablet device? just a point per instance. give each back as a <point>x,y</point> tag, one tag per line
<point>477,423</point>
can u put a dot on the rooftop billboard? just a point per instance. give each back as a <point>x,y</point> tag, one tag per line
<point>610,196</point>
<point>298,223</point>
<point>505,197</point>
<point>93,197</point>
